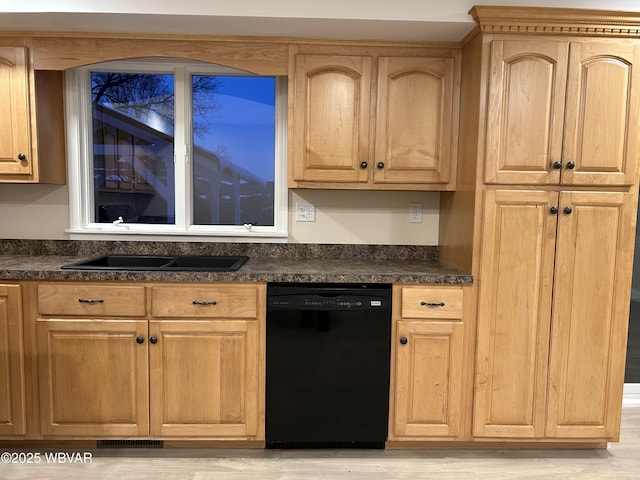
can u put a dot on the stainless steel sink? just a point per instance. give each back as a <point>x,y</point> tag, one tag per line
<point>187,263</point>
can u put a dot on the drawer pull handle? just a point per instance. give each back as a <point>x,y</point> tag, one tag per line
<point>91,300</point>
<point>431,304</point>
<point>198,302</point>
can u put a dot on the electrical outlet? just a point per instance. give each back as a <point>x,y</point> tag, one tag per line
<point>305,212</point>
<point>415,212</point>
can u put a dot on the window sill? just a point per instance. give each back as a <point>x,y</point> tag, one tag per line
<point>118,233</point>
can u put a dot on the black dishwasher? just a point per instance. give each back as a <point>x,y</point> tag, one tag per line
<point>327,367</point>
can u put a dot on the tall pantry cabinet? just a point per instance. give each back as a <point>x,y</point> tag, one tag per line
<point>556,195</point>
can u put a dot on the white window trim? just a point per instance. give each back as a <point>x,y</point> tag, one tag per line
<point>79,164</point>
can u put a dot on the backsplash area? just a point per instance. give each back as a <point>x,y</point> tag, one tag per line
<point>288,250</point>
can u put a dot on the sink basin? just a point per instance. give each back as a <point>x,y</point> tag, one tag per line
<point>186,263</point>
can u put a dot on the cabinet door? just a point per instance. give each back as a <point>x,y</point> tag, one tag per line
<point>12,384</point>
<point>414,120</point>
<point>94,378</point>
<point>206,379</point>
<point>601,126</point>
<point>590,315</point>
<point>525,111</point>
<point>514,308</point>
<point>428,379</point>
<point>15,141</point>
<point>331,118</point>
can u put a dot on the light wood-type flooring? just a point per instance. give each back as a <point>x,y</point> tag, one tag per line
<point>620,461</point>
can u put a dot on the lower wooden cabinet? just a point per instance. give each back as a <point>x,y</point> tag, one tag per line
<point>427,371</point>
<point>552,314</point>
<point>12,374</point>
<point>194,375</point>
<point>206,378</point>
<point>94,377</point>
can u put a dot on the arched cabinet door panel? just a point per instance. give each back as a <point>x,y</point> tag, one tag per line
<point>414,130</point>
<point>525,111</point>
<point>15,141</point>
<point>562,113</point>
<point>601,119</point>
<point>331,118</point>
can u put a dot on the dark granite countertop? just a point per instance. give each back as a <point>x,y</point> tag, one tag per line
<point>267,269</point>
<point>285,263</point>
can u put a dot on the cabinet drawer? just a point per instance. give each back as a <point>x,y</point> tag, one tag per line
<point>431,302</point>
<point>205,301</point>
<point>91,300</point>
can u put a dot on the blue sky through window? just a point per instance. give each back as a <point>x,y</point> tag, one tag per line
<point>241,127</point>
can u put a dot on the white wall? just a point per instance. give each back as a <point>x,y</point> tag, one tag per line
<point>365,217</point>
<point>42,212</point>
<point>34,211</point>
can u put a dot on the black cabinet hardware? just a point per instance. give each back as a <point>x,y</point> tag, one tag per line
<point>432,304</point>
<point>91,300</point>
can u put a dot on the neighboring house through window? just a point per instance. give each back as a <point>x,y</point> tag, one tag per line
<point>176,148</point>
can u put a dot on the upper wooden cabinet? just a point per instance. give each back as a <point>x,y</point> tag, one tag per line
<point>562,112</point>
<point>32,121</point>
<point>15,142</point>
<point>331,118</point>
<point>334,109</point>
<point>414,121</point>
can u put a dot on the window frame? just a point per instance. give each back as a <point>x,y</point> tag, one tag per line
<point>78,120</point>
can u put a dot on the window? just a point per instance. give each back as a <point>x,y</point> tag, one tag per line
<point>176,148</point>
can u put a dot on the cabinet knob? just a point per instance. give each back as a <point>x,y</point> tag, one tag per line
<point>568,210</point>
<point>380,165</point>
<point>571,165</point>
<point>140,339</point>
<point>403,340</point>
<point>553,210</point>
<point>22,156</point>
<point>364,164</point>
<point>557,165</point>
<point>153,340</point>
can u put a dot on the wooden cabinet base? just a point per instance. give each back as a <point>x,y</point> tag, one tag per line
<point>172,443</point>
<point>501,445</point>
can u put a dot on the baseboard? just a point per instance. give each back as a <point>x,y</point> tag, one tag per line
<point>631,395</point>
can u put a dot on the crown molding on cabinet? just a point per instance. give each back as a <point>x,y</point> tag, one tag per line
<point>565,21</point>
